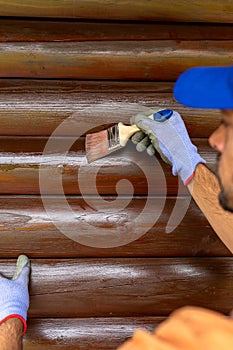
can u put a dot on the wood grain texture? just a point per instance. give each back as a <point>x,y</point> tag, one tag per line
<point>93,298</point>
<point>35,107</point>
<point>126,287</point>
<point>60,172</point>
<point>84,333</point>
<point>65,31</point>
<point>26,227</point>
<point>184,11</point>
<point>117,60</point>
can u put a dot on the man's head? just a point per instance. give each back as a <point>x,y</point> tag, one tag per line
<point>212,87</point>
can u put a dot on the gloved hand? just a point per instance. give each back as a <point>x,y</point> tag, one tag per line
<point>170,138</point>
<point>142,140</point>
<point>14,296</point>
<point>189,328</point>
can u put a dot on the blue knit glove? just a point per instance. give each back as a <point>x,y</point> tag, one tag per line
<point>14,296</point>
<point>170,138</point>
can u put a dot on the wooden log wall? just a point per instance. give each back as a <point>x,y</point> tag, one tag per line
<point>71,67</point>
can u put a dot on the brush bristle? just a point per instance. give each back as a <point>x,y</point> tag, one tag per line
<point>102,143</point>
<point>96,145</point>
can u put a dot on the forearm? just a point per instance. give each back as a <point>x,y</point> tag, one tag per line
<point>205,190</point>
<point>11,334</point>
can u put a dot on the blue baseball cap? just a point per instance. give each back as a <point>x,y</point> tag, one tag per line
<point>206,87</point>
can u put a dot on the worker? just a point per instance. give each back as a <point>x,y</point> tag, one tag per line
<point>189,328</point>
<point>203,87</point>
<point>14,303</point>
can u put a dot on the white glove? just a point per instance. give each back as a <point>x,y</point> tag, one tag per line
<point>168,135</point>
<point>14,295</point>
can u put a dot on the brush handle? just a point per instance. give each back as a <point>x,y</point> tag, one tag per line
<point>125,132</point>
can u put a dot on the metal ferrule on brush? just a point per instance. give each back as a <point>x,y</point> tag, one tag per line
<point>113,137</point>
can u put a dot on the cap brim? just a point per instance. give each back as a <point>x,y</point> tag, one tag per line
<point>205,87</point>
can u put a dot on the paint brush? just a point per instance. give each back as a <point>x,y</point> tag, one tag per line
<point>102,143</point>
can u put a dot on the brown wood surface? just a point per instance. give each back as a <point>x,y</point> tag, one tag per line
<point>84,333</point>
<point>20,172</point>
<point>85,297</point>
<point>126,287</point>
<point>35,107</point>
<point>196,11</point>
<point>117,60</point>
<point>26,227</point>
<point>33,31</point>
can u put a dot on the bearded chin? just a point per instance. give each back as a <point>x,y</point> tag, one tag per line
<point>223,197</point>
<point>224,202</point>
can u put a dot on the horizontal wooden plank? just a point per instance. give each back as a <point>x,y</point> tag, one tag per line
<point>116,60</point>
<point>20,172</point>
<point>186,11</point>
<point>126,287</point>
<point>35,107</point>
<point>84,333</point>
<point>37,30</point>
<point>26,227</point>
